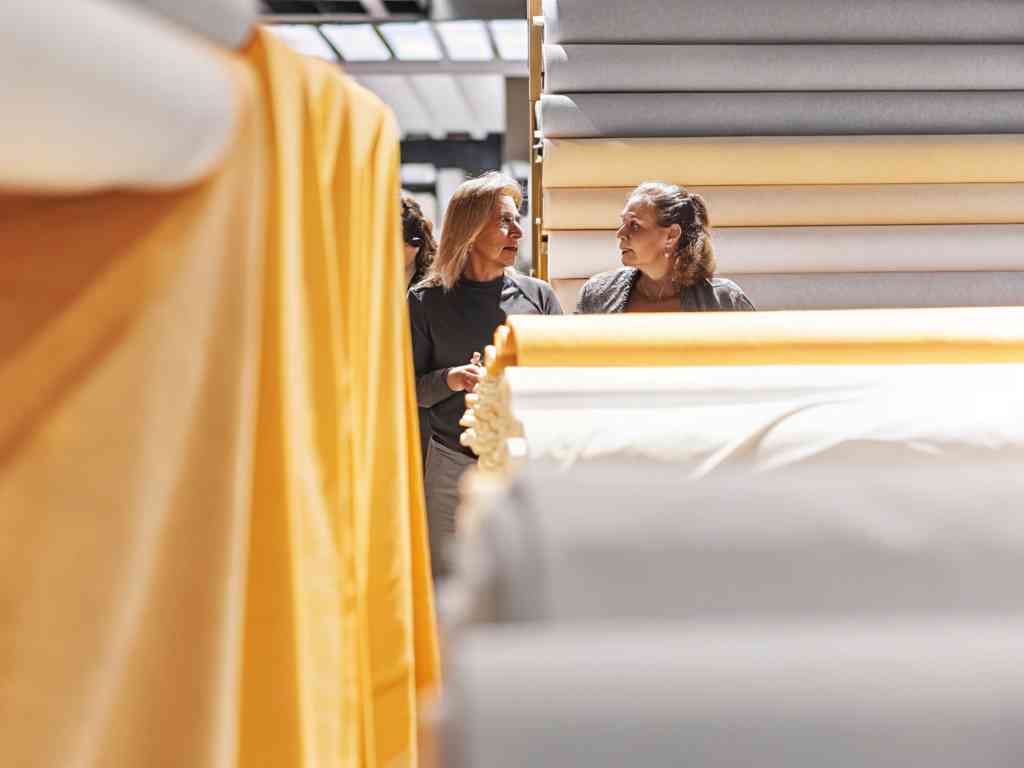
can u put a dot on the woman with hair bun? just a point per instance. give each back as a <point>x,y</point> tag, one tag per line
<point>669,264</point>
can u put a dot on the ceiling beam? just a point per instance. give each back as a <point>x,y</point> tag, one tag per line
<point>394,67</point>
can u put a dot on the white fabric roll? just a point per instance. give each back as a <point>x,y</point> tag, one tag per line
<point>744,250</point>
<point>700,67</point>
<point>849,113</point>
<point>762,419</point>
<point>226,22</point>
<point>942,694</point>
<point>77,118</point>
<point>783,21</point>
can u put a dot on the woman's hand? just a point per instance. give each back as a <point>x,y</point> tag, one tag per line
<point>465,377</point>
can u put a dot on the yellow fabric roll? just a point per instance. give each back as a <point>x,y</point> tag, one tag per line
<point>866,337</point>
<point>767,160</point>
<point>212,537</point>
<point>807,205</point>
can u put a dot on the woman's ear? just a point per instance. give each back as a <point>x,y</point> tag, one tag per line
<point>674,233</point>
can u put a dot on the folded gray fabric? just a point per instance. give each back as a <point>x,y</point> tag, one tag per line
<point>856,532</point>
<point>643,115</point>
<point>866,290</point>
<point>783,21</point>
<point>937,694</point>
<point>636,68</point>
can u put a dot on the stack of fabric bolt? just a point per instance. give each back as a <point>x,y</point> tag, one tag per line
<point>852,155</point>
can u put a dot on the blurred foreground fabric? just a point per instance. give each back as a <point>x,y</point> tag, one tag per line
<point>212,535</point>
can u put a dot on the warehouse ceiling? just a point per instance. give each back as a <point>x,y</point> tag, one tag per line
<point>443,76</point>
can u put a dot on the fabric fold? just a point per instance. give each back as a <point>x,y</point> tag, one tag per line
<point>743,250</point>
<point>806,205</point>
<point>771,160</point>
<point>852,113</point>
<point>783,21</point>
<point>615,67</point>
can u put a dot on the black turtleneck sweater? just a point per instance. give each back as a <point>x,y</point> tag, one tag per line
<point>448,327</point>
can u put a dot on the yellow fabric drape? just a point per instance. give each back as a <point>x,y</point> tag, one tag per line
<point>212,536</point>
<point>865,337</point>
<point>348,565</point>
<point>769,160</point>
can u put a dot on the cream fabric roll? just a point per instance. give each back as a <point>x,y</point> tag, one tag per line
<point>743,250</point>
<point>807,205</point>
<point>700,67</point>
<point>731,161</point>
<point>788,21</point>
<point>568,291</point>
<point>863,290</point>
<point>781,113</point>
<point>877,337</point>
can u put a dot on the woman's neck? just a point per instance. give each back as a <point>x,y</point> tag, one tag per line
<point>656,286</point>
<point>482,272</point>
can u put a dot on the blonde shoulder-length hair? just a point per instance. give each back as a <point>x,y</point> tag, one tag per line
<point>469,211</point>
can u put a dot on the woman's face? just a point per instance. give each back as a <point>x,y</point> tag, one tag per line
<point>642,242</point>
<point>498,242</point>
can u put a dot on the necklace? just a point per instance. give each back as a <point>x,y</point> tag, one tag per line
<point>665,289</point>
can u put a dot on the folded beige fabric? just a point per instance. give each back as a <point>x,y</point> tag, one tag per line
<point>785,160</point>
<point>806,205</point>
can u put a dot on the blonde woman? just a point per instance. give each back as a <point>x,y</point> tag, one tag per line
<point>469,290</point>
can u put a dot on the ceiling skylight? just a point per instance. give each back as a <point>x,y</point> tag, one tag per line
<point>304,38</point>
<point>357,42</point>
<point>511,36</point>
<point>465,40</point>
<point>412,41</point>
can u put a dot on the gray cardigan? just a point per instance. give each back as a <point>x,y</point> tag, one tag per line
<point>609,292</point>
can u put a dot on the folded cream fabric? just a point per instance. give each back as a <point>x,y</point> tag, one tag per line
<point>806,205</point>
<point>742,250</point>
<point>865,337</point>
<point>703,67</point>
<point>844,113</point>
<point>783,21</point>
<point>784,160</point>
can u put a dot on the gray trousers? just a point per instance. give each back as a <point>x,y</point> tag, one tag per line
<point>441,480</point>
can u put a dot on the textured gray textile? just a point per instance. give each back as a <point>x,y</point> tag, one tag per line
<point>609,292</point>
<point>891,694</point>
<point>856,533</point>
<point>444,469</point>
<point>635,68</point>
<point>642,115</point>
<point>783,21</point>
<point>867,290</point>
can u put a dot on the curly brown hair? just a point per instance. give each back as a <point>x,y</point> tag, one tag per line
<point>694,257</point>
<point>417,230</point>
